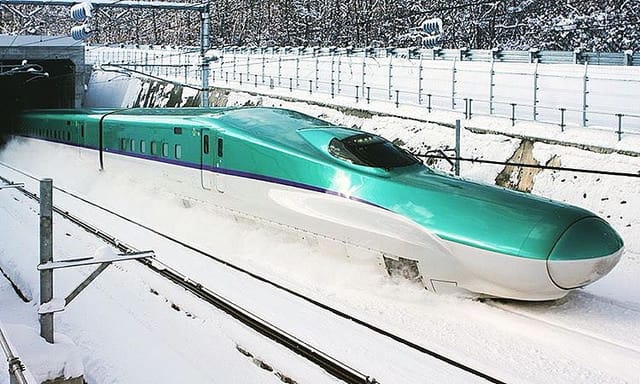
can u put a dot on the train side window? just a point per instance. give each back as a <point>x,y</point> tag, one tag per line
<point>68,136</point>
<point>178,151</point>
<point>82,130</point>
<point>154,148</point>
<point>123,144</point>
<point>220,147</point>
<point>132,145</point>
<point>177,131</point>
<point>165,149</point>
<point>143,146</point>
<point>206,144</point>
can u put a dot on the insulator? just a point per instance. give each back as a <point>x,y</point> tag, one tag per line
<point>432,26</point>
<point>81,32</point>
<point>431,41</point>
<point>81,11</point>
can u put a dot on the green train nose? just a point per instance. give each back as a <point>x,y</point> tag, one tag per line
<point>585,252</point>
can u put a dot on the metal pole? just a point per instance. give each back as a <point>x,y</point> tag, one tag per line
<point>420,81</point>
<point>15,365</point>
<point>491,85</point>
<point>535,92</point>
<point>466,108</point>
<point>339,72</point>
<point>204,45</point>
<point>279,70</point>
<point>317,64</point>
<point>585,80</point>
<point>332,66</point>
<point>619,132</point>
<point>364,68</point>
<point>390,76</point>
<point>46,255</point>
<point>298,70</point>
<point>263,64</point>
<point>234,64</point>
<point>457,163</point>
<point>453,85</point>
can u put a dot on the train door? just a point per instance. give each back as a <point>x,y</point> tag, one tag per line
<point>219,160</point>
<point>207,159</point>
<point>80,134</point>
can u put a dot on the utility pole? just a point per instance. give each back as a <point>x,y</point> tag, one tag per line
<point>46,256</point>
<point>204,46</point>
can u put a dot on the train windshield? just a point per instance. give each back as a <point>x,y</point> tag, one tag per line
<point>370,151</point>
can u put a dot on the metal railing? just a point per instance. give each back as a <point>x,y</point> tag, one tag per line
<point>566,95</point>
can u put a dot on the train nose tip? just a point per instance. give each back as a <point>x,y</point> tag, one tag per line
<point>586,251</point>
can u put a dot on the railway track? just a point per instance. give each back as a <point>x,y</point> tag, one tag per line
<point>333,366</point>
<point>593,337</point>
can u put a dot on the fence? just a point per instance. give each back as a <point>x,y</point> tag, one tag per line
<point>515,85</point>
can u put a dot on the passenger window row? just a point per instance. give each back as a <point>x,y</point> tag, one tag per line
<point>129,145</point>
<point>55,134</point>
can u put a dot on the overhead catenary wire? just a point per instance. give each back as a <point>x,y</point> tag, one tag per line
<point>526,165</point>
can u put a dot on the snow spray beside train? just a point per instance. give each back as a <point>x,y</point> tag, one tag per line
<point>304,173</point>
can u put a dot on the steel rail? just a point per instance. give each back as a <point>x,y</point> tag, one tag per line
<point>333,366</point>
<point>315,302</point>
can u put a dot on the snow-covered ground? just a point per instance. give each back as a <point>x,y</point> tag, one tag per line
<point>593,335</point>
<point>129,325</point>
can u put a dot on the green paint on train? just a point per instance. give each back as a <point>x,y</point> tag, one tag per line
<point>287,147</point>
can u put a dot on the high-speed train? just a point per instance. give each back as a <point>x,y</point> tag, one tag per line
<point>352,186</point>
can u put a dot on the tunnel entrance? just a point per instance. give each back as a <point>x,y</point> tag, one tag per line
<point>38,72</point>
<point>38,83</point>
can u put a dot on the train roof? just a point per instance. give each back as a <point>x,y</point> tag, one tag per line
<point>276,126</point>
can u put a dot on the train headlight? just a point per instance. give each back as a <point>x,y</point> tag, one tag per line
<point>586,251</point>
